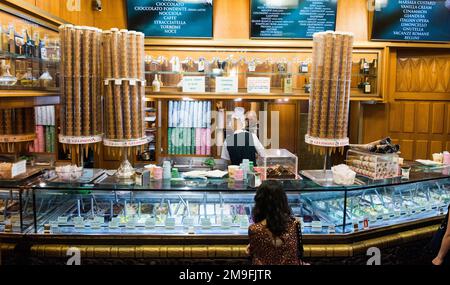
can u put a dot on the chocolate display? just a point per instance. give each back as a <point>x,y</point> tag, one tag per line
<point>81,79</point>
<point>381,146</point>
<point>280,172</point>
<point>124,84</point>
<point>330,85</point>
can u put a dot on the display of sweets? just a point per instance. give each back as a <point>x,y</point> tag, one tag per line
<point>330,85</point>
<point>81,105</point>
<point>372,165</point>
<point>189,127</point>
<point>124,85</point>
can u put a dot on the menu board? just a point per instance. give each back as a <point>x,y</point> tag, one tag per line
<point>292,19</point>
<point>171,18</point>
<point>412,20</point>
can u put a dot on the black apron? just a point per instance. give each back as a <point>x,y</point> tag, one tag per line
<point>241,146</point>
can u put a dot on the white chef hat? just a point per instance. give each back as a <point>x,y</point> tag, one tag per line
<point>239,114</point>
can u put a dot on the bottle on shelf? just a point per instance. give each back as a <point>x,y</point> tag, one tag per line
<point>367,86</point>
<point>307,86</point>
<point>43,48</point>
<point>11,39</point>
<point>7,79</point>
<point>27,79</point>
<point>36,44</point>
<point>287,84</point>
<point>46,79</point>
<point>303,67</point>
<point>1,37</point>
<point>374,67</point>
<point>365,66</point>
<point>156,84</point>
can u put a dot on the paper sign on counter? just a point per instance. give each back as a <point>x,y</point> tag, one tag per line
<point>194,84</point>
<point>227,84</point>
<point>258,84</point>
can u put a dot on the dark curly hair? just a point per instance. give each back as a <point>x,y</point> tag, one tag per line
<point>271,204</point>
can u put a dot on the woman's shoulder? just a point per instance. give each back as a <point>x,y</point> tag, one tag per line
<point>257,227</point>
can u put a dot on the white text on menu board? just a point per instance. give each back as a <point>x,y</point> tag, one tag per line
<point>169,11</point>
<point>414,22</point>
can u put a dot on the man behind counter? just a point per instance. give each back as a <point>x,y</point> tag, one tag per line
<point>241,145</point>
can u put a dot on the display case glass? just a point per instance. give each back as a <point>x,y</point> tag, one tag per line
<point>278,164</point>
<point>224,208</point>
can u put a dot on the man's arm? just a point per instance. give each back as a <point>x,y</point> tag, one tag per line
<point>258,145</point>
<point>225,154</point>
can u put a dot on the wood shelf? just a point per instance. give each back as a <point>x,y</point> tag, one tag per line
<point>27,98</point>
<point>245,96</point>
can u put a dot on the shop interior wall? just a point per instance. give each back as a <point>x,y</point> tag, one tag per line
<point>415,114</point>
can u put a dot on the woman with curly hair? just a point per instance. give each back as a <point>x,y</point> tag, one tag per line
<point>275,238</point>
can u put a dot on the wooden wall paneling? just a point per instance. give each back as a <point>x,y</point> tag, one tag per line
<point>423,118</point>
<point>408,117</point>
<point>447,146</point>
<point>113,15</point>
<point>374,124</point>
<point>395,122</point>
<point>448,119</point>
<point>436,147</point>
<point>438,118</point>
<point>53,7</point>
<point>421,149</point>
<point>407,149</point>
<point>353,16</point>
<point>231,19</point>
<point>288,125</point>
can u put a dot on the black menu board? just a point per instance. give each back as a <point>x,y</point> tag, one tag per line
<point>171,18</point>
<point>412,20</point>
<point>292,19</point>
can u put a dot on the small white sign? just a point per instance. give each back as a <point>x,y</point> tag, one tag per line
<point>227,84</point>
<point>194,84</point>
<point>258,85</point>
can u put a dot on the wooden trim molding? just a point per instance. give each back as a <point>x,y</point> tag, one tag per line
<point>226,251</point>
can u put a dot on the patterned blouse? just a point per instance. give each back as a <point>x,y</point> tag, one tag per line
<point>265,249</point>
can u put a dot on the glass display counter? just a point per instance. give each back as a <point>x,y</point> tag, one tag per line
<point>224,208</point>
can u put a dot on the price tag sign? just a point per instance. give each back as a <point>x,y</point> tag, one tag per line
<point>227,221</point>
<point>114,224</point>
<point>194,84</point>
<point>188,222</point>
<point>62,221</point>
<point>205,223</point>
<point>150,223</point>
<point>258,85</point>
<point>170,223</point>
<point>78,222</point>
<point>100,220</point>
<point>243,222</point>
<point>227,84</point>
<point>96,225</point>
<point>316,226</point>
<point>131,224</point>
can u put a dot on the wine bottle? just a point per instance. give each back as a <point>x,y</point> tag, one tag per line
<point>367,87</point>
<point>11,39</point>
<point>287,86</point>
<point>156,84</point>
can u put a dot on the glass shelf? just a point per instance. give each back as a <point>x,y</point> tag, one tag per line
<point>212,74</point>
<point>9,55</point>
